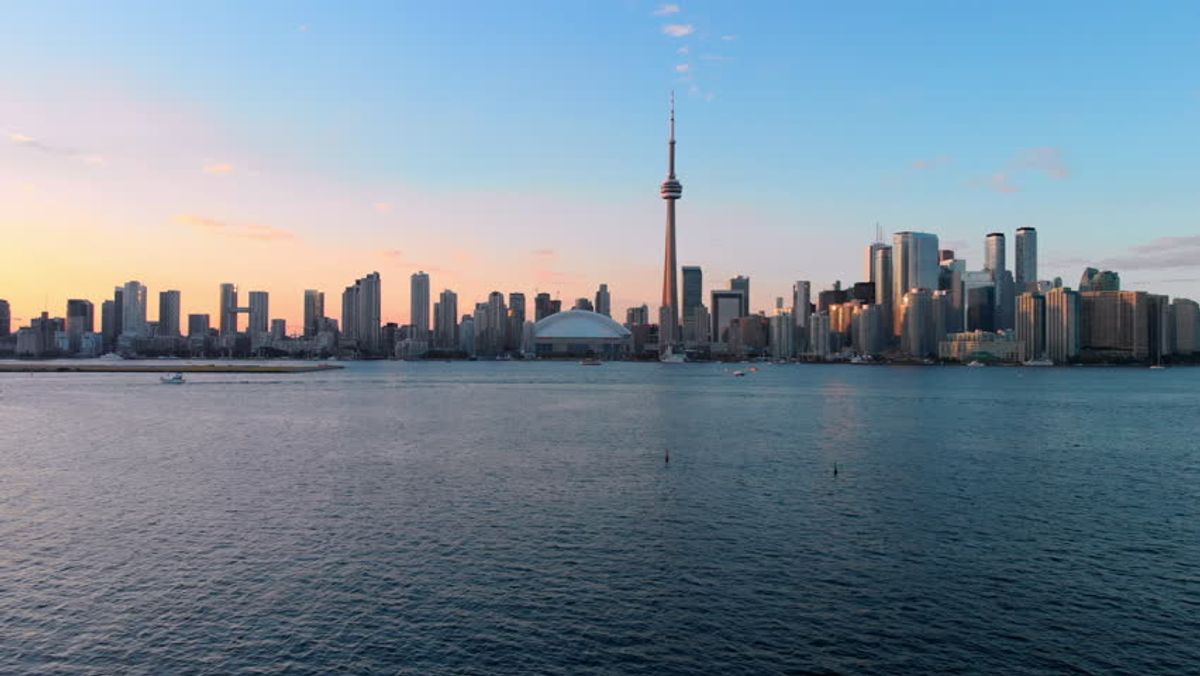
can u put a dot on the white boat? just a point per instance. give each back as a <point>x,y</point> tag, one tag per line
<point>976,364</point>
<point>591,361</point>
<point>1039,362</point>
<point>1157,367</point>
<point>739,374</point>
<point>669,356</point>
<point>172,379</point>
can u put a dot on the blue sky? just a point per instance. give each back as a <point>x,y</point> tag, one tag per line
<point>801,125</point>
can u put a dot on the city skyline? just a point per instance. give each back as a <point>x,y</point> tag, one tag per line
<point>186,172</point>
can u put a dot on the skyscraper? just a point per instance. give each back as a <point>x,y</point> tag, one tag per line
<point>604,301</point>
<point>801,313</point>
<point>133,309</point>
<point>5,318</point>
<point>228,313</point>
<point>515,328</point>
<point>1187,325</point>
<point>742,283</point>
<point>1063,329</point>
<point>916,312</point>
<point>418,313</point>
<point>260,317</point>
<point>118,314</point>
<point>726,306</point>
<point>542,307</point>
<point>693,294</point>
<point>1025,252</point>
<point>198,325</point>
<point>882,276</point>
<point>168,313</point>
<point>915,262</point>
<point>446,331</point>
<point>368,311</point>
<point>350,313</point>
<point>80,316</point>
<point>994,250</point>
<point>670,190</point>
<point>314,311</point>
<point>1031,325</point>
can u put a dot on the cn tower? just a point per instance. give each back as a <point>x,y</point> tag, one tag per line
<point>671,190</point>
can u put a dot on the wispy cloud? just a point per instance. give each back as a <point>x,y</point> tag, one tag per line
<point>218,168</point>
<point>678,30</point>
<point>728,38</point>
<point>1048,160</point>
<point>682,68</point>
<point>1159,254</point>
<point>683,50</point>
<point>666,10</point>
<point>932,163</point>
<point>716,57</point>
<point>382,207</point>
<point>395,254</point>
<point>251,231</point>
<point>26,141</point>
<point>544,253</point>
<point>1001,181</point>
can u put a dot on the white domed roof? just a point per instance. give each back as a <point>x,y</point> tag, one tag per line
<point>579,324</point>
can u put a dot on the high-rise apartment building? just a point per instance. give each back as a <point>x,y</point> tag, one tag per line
<point>419,306</point>
<point>801,313</point>
<point>543,306</point>
<point>1063,325</point>
<point>368,312</point>
<point>1186,315</point>
<point>918,323</point>
<point>693,295</point>
<point>133,310</point>
<point>80,316</point>
<point>314,312</point>
<point>446,327</point>
<point>228,310</point>
<point>883,278</point>
<point>198,325</point>
<point>260,314</point>
<point>169,308</point>
<point>742,283</point>
<point>5,319</point>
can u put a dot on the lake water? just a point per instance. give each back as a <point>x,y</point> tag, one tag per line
<point>519,518</point>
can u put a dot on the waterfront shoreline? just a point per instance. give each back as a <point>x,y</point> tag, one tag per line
<point>52,367</point>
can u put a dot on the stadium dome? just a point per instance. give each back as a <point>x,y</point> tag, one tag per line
<point>579,333</point>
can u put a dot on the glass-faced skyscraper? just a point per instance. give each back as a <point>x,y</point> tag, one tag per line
<point>915,261</point>
<point>1025,252</point>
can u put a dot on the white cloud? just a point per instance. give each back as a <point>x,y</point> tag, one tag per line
<point>682,68</point>
<point>664,10</point>
<point>218,168</point>
<point>728,38</point>
<point>678,30</point>
<point>682,50</point>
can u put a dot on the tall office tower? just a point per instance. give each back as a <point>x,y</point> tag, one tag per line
<point>350,312</point>
<point>418,314</point>
<point>446,329</point>
<point>1031,325</point>
<point>198,325</point>
<point>260,316</point>
<point>108,324</point>
<point>133,309</point>
<point>943,311</point>
<point>1095,280</point>
<point>726,306</point>
<point>278,329</point>
<point>118,313</point>
<point>801,313</point>
<point>1063,325</point>
<point>882,275</point>
<point>994,250</point>
<point>368,311</point>
<point>950,279</point>
<point>1187,326</point>
<point>670,190</point>
<point>742,283</point>
<point>1025,252</point>
<point>496,321</point>
<point>915,264</point>
<point>541,306</point>
<point>466,335</point>
<point>168,313</point>
<point>514,328</point>
<point>818,335</point>
<point>604,301</point>
<point>227,322</point>
<point>80,316</point>
<point>636,316</point>
<point>5,318</point>
<point>916,311</point>
<point>314,311</point>
<point>693,297</point>
<point>584,304</point>
<point>866,329</point>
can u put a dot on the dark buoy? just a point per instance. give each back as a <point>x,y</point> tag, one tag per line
<point>666,456</point>
<point>835,469</point>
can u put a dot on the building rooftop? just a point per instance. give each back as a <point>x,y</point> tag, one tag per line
<point>579,324</point>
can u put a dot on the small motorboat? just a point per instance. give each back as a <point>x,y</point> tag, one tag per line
<point>172,379</point>
<point>1039,362</point>
<point>976,364</point>
<point>590,361</point>
<point>739,374</point>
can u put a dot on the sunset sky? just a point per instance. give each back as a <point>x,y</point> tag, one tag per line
<point>518,146</point>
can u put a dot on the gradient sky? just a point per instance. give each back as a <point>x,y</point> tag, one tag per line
<point>518,146</point>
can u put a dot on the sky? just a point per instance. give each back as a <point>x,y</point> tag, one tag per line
<point>518,146</point>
